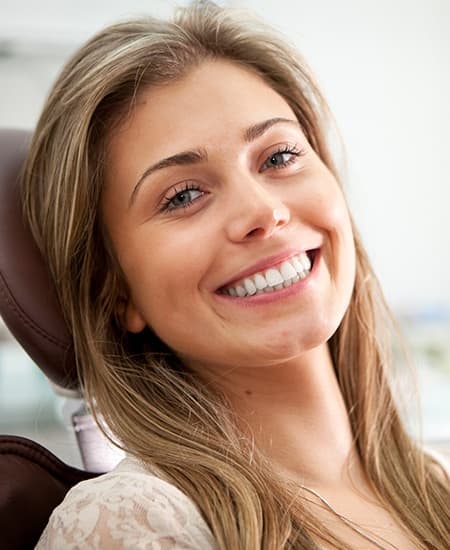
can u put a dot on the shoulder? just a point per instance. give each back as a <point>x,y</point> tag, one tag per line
<point>129,507</point>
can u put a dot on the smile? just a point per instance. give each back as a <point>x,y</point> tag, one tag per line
<point>275,278</point>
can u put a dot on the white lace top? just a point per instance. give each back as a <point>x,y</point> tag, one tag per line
<point>130,508</point>
<point>127,508</point>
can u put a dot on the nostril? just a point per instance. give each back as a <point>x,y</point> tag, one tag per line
<point>253,232</point>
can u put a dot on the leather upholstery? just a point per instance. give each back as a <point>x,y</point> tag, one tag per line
<point>32,480</point>
<point>32,483</point>
<point>28,302</point>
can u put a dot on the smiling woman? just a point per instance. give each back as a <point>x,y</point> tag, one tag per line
<point>229,329</point>
<point>246,205</point>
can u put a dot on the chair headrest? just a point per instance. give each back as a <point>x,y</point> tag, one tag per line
<point>28,302</point>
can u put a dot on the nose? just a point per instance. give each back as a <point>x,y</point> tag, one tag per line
<point>257,213</point>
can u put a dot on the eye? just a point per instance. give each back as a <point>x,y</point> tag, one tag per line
<point>181,198</point>
<point>281,158</point>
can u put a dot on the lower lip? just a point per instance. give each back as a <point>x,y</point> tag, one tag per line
<point>275,295</point>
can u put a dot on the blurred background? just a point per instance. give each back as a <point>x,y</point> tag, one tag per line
<point>385,69</point>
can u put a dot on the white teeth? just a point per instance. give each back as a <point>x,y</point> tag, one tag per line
<point>250,287</point>
<point>298,266</point>
<point>273,277</point>
<point>290,272</point>
<point>241,292</point>
<point>306,262</point>
<point>287,271</point>
<point>260,282</point>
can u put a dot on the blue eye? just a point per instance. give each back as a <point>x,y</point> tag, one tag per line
<point>282,158</point>
<point>182,198</point>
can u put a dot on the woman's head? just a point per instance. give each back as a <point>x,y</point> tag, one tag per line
<point>118,108</point>
<point>230,190</point>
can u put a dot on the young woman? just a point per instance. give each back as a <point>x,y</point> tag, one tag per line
<point>229,329</point>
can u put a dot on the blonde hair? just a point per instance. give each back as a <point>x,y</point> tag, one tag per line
<point>153,405</point>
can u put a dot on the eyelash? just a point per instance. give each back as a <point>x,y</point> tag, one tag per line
<point>292,150</point>
<point>167,205</point>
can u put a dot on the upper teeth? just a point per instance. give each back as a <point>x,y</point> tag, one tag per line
<point>288,272</point>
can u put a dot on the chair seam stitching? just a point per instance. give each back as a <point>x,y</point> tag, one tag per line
<point>58,469</point>
<point>6,292</point>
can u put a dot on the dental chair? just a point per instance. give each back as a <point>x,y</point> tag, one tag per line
<point>32,480</point>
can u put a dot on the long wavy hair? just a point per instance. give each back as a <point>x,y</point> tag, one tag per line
<point>156,408</point>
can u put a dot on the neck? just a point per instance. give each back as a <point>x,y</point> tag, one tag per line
<point>298,418</point>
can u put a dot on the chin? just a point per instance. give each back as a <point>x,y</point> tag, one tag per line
<point>284,345</point>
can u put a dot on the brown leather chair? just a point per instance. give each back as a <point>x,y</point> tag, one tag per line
<point>32,483</point>
<point>32,480</point>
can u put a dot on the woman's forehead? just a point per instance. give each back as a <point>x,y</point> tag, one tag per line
<point>215,102</point>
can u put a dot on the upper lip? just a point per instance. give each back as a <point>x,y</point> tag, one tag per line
<point>266,263</point>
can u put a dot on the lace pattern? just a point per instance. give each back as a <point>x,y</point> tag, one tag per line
<point>128,508</point>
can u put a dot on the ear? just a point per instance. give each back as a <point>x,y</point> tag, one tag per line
<point>130,317</point>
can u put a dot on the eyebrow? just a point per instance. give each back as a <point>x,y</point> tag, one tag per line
<point>257,130</point>
<point>197,156</point>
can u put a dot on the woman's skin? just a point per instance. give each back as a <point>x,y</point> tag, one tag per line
<point>247,193</point>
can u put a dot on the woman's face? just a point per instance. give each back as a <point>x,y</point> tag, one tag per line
<point>214,201</point>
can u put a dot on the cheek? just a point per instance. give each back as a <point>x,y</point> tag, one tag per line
<point>331,210</point>
<point>332,217</point>
<point>164,276</point>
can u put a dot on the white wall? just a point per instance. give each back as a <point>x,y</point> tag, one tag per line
<point>384,66</point>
